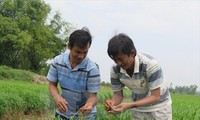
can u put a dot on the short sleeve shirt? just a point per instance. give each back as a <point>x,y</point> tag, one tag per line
<point>75,83</point>
<point>147,76</point>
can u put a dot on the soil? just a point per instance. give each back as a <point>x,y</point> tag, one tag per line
<point>39,79</point>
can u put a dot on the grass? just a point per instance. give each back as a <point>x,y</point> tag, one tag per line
<point>186,107</point>
<point>17,97</point>
<point>21,99</point>
<point>7,73</point>
<point>24,99</point>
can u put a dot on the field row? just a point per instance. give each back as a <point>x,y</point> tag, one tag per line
<point>18,98</point>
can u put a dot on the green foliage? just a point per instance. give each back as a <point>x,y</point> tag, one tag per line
<point>27,39</point>
<point>106,93</point>
<point>26,97</point>
<point>44,70</point>
<point>29,98</point>
<point>7,73</point>
<point>21,96</point>
<point>185,107</point>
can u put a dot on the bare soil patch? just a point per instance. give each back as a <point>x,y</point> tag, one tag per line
<point>39,79</point>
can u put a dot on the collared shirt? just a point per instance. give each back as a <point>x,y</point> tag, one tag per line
<point>147,76</point>
<point>75,83</point>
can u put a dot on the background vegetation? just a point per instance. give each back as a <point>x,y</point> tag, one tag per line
<point>21,97</point>
<point>28,36</point>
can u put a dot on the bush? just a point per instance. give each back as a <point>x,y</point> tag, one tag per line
<point>7,73</point>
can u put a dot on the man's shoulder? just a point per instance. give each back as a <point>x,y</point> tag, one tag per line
<point>116,68</point>
<point>91,64</point>
<point>145,56</point>
<point>150,61</point>
<point>62,55</point>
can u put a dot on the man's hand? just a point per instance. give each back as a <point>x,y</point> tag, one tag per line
<point>86,109</point>
<point>120,108</point>
<point>61,104</point>
<point>108,105</point>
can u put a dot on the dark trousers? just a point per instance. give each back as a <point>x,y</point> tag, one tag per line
<point>60,117</point>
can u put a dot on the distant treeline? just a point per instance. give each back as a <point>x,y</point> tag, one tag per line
<point>189,90</point>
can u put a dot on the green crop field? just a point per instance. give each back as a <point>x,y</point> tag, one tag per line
<point>22,100</point>
<point>186,107</point>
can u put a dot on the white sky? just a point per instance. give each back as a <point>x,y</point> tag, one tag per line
<point>169,30</point>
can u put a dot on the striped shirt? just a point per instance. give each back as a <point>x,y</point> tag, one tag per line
<point>147,76</point>
<point>75,83</point>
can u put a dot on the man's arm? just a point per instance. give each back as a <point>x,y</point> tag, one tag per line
<point>155,97</point>
<point>61,103</point>
<point>92,99</point>
<point>117,97</point>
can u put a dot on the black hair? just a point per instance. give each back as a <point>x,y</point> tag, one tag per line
<point>80,37</point>
<point>120,43</point>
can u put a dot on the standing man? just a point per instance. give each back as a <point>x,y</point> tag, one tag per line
<point>143,75</point>
<point>78,77</point>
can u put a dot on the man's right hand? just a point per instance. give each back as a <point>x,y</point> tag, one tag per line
<point>61,104</point>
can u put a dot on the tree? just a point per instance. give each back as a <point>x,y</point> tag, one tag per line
<point>27,41</point>
<point>193,89</point>
<point>190,90</point>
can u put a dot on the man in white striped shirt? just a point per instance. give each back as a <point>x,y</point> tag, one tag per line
<point>143,75</point>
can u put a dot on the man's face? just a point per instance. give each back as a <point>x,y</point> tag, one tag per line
<point>77,54</point>
<point>124,61</point>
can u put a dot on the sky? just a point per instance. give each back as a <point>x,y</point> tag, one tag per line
<point>168,30</point>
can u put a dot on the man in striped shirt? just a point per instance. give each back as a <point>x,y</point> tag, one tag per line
<point>78,77</point>
<point>143,75</point>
